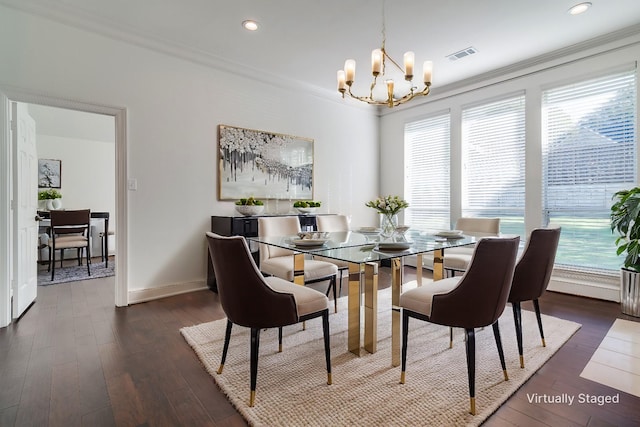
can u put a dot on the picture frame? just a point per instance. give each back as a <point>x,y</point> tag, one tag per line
<point>49,173</point>
<point>263,165</point>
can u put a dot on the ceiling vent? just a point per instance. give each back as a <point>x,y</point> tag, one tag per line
<point>462,53</point>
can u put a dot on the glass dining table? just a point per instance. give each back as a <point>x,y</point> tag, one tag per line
<point>363,251</point>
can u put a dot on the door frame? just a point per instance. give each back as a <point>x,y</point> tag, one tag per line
<point>8,94</point>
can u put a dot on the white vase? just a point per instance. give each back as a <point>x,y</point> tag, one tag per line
<point>54,204</point>
<point>388,224</point>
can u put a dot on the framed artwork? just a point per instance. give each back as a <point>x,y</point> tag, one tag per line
<point>263,165</point>
<point>49,173</point>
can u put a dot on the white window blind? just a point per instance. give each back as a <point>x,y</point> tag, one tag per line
<point>427,161</point>
<point>589,153</point>
<point>493,160</point>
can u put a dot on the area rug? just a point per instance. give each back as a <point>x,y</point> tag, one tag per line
<point>292,390</point>
<point>74,273</point>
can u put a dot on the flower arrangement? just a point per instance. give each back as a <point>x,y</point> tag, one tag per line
<point>388,205</point>
<point>49,194</point>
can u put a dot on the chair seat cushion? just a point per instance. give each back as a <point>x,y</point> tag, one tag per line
<point>454,258</point>
<point>283,267</point>
<point>65,242</point>
<point>307,300</point>
<point>340,264</point>
<point>419,299</point>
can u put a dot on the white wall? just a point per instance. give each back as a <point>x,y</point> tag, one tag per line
<point>173,109</point>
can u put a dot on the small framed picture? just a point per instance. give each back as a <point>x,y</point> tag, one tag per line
<point>49,173</point>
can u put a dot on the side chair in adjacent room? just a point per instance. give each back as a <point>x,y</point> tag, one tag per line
<point>70,229</point>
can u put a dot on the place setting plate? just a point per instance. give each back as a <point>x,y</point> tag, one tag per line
<point>309,242</point>
<point>450,234</point>
<point>393,246</point>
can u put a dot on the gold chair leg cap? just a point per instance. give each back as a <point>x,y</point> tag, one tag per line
<point>252,398</point>
<point>220,369</point>
<point>329,380</point>
<point>522,362</point>
<point>450,344</point>
<point>280,348</point>
<point>506,376</point>
<point>402,377</point>
<point>472,404</point>
<point>544,344</point>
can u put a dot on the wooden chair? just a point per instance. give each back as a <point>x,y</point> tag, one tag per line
<point>473,300</point>
<point>69,230</point>
<point>531,277</point>
<point>251,300</point>
<point>278,262</point>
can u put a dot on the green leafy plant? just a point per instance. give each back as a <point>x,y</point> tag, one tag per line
<point>625,221</point>
<point>49,194</point>
<point>306,204</point>
<point>249,202</point>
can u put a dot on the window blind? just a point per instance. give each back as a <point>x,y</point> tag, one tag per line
<point>427,187</point>
<point>493,161</point>
<point>589,153</point>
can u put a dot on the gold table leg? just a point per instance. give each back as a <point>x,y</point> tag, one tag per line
<point>396,288</point>
<point>370,307</point>
<point>419,270</point>
<point>353,296</point>
<point>438,264</point>
<point>298,269</point>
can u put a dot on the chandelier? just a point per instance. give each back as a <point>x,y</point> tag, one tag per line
<point>379,58</point>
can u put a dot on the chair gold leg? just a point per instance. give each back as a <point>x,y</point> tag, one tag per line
<point>329,380</point>
<point>472,404</point>
<point>279,348</point>
<point>252,398</point>
<point>544,344</point>
<point>220,368</point>
<point>402,377</point>
<point>506,376</point>
<point>522,362</point>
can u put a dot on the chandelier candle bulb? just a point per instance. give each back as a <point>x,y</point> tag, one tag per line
<point>427,70</point>
<point>350,70</point>
<point>341,82</point>
<point>409,60</point>
<point>376,61</point>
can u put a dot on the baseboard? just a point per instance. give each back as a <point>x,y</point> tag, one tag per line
<point>144,295</point>
<point>600,288</point>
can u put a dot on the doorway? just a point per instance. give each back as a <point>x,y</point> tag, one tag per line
<point>6,209</point>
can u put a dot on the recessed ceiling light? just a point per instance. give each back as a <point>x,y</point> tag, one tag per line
<point>250,25</point>
<point>579,8</point>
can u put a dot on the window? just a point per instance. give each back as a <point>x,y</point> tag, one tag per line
<point>427,173</point>
<point>493,159</point>
<point>589,153</point>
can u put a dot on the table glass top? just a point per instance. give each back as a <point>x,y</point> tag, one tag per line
<point>357,247</point>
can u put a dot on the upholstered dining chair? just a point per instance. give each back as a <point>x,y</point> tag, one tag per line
<point>474,300</point>
<point>278,262</point>
<point>334,224</point>
<point>457,259</point>
<point>531,277</point>
<point>251,300</point>
<point>69,230</point>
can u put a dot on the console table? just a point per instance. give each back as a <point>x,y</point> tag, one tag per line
<point>246,226</point>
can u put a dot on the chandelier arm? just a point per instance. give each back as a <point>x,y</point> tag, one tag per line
<point>384,53</point>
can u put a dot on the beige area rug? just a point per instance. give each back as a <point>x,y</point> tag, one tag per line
<point>292,389</point>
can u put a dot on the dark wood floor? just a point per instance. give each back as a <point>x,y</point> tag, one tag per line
<point>76,360</point>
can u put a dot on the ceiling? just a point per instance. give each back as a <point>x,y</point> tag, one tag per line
<point>302,43</point>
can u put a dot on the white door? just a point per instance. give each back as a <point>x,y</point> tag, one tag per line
<point>25,202</point>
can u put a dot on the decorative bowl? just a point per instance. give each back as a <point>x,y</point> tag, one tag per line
<point>306,210</point>
<point>250,210</point>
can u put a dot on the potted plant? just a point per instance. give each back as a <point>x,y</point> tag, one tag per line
<point>625,221</point>
<point>49,199</point>
<point>250,206</point>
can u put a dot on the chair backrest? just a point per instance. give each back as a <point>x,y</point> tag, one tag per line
<point>276,226</point>
<point>534,268</point>
<point>479,227</point>
<point>245,297</point>
<point>481,295</point>
<point>63,222</point>
<point>332,223</point>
